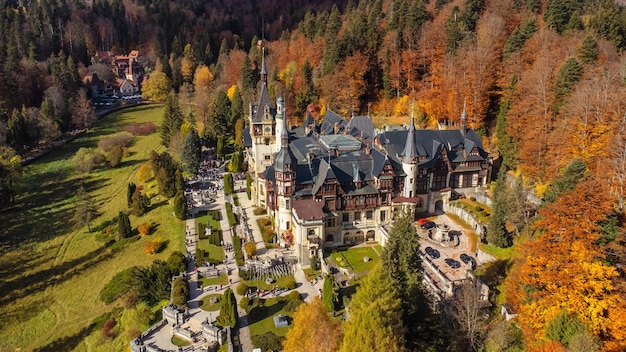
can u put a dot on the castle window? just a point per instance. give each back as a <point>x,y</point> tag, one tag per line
<point>287,204</point>
<point>383,215</point>
<point>266,141</point>
<point>357,215</point>
<point>369,215</point>
<point>287,225</point>
<point>267,157</point>
<point>345,217</point>
<point>330,222</point>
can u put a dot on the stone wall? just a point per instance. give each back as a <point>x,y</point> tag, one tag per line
<point>466,216</point>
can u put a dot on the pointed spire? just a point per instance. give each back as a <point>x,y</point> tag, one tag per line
<point>263,69</point>
<point>410,151</point>
<point>463,121</point>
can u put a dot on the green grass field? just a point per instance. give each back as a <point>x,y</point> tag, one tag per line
<point>353,259</point>
<point>52,274</point>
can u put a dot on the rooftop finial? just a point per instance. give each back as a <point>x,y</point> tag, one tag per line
<point>263,69</point>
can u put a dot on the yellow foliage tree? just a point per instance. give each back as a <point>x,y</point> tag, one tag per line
<point>144,173</point>
<point>203,77</point>
<point>156,87</point>
<point>310,323</point>
<point>402,106</point>
<point>561,271</point>
<point>231,92</point>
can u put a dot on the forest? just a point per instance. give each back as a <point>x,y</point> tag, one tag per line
<point>542,81</point>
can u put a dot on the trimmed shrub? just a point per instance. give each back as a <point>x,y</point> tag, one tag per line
<point>144,229</point>
<point>114,156</point>
<point>259,211</point>
<point>121,139</point>
<point>237,248</point>
<point>154,246</point>
<point>290,283</point>
<point>232,220</point>
<point>244,303</point>
<point>267,342</point>
<point>241,289</point>
<point>250,248</point>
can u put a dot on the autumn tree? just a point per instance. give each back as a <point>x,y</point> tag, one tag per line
<point>375,316</point>
<point>561,271</point>
<point>309,323</point>
<point>188,64</point>
<point>83,114</point>
<point>10,174</point>
<point>144,173</point>
<point>157,87</point>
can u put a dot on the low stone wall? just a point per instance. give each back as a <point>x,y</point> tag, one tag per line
<point>467,217</point>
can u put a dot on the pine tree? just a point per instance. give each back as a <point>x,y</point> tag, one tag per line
<point>573,173</point>
<point>132,187</point>
<point>220,116</point>
<point>329,293</point>
<point>180,206</point>
<point>497,233</point>
<point>172,119</point>
<point>507,148</point>
<point>123,225</point>
<point>228,313</point>
<point>190,156</point>
<point>248,80</point>
<point>588,52</point>
<point>140,203</point>
<point>568,75</point>
<point>375,322</point>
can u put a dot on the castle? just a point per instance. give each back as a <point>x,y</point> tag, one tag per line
<point>340,183</point>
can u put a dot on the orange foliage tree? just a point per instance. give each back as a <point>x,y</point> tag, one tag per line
<point>562,271</point>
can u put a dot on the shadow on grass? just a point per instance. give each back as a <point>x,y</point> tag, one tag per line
<point>43,212</point>
<point>23,286</point>
<point>262,312</point>
<point>68,343</point>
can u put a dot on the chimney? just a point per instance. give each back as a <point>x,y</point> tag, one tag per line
<point>368,149</point>
<point>336,127</point>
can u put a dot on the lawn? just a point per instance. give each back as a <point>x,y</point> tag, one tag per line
<point>208,281</point>
<point>262,321</point>
<point>216,253</point>
<point>206,304</point>
<point>53,274</point>
<point>353,259</point>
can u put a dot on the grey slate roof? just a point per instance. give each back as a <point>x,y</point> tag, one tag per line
<point>247,139</point>
<point>409,154</point>
<point>328,125</point>
<point>429,143</point>
<point>358,124</point>
<point>264,99</point>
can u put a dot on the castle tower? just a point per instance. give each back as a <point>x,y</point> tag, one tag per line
<point>280,122</point>
<point>409,162</point>
<point>263,69</point>
<point>285,174</point>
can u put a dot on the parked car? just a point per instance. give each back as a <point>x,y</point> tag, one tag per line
<point>468,260</point>
<point>433,253</point>
<point>454,264</point>
<point>422,221</point>
<point>428,225</point>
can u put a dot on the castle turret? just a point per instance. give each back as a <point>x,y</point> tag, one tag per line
<point>409,161</point>
<point>285,174</point>
<point>280,122</point>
